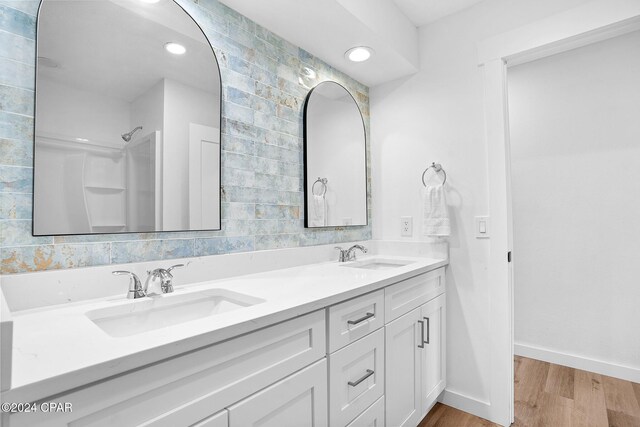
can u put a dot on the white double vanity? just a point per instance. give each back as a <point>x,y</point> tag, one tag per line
<point>357,343</point>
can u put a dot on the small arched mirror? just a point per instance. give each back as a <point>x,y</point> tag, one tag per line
<point>334,158</point>
<point>127,123</point>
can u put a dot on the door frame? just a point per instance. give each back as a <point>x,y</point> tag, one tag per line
<point>591,22</point>
<point>197,135</point>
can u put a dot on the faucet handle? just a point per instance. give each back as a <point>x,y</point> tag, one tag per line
<point>135,287</point>
<point>133,276</point>
<point>343,254</point>
<point>173,267</point>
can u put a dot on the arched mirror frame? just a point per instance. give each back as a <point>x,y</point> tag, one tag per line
<point>220,105</point>
<point>309,179</point>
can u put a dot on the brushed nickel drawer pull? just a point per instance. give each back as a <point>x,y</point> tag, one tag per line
<point>367,375</point>
<point>362,319</point>
<point>421,345</point>
<point>428,330</point>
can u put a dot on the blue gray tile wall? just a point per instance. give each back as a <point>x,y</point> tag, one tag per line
<point>265,80</point>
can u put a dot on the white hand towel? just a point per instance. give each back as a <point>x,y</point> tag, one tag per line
<point>318,211</point>
<point>435,215</point>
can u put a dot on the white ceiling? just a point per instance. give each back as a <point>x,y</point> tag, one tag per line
<point>328,28</point>
<point>116,48</point>
<point>422,12</point>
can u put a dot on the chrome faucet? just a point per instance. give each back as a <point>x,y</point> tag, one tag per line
<point>161,276</point>
<point>135,287</point>
<point>349,254</point>
<point>136,290</point>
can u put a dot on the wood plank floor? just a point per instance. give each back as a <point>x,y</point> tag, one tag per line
<point>549,395</point>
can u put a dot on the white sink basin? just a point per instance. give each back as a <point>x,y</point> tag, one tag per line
<point>151,313</point>
<point>378,264</point>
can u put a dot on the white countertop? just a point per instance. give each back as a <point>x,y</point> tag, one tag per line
<point>59,348</point>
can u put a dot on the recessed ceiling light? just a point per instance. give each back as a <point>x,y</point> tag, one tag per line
<point>175,48</point>
<point>359,53</point>
<point>150,1</point>
<point>82,140</point>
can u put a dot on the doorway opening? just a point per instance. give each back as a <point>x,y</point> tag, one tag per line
<point>588,23</point>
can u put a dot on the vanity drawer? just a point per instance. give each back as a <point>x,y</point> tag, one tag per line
<point>353,319</point>
<point>404,296</point>
<point>373,416</point>
<point>187,389</point>
<point>356,378</point>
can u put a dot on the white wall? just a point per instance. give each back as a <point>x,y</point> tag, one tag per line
<point>437,115</point>
<point>575,129</point>
<point>147,111</point>
<point>64,110</point>
<point>182,105</point>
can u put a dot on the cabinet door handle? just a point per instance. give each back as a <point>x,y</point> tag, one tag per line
<point>428,330</point>
<point>362,319</point>
<point>421,345</point>
<point>364,377</point>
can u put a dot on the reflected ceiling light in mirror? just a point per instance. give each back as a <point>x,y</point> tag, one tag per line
<point>358,53</point>
<point>309,73</point>
<point>307,77</point>
<point>175,48</point>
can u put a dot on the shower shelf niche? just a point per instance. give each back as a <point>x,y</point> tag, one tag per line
<point>105,191</point>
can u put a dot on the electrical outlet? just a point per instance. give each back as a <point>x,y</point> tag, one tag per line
<point>406,226</point>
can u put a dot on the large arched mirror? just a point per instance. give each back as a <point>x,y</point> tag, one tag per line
<point>334,158</point>
<point>127,124</point>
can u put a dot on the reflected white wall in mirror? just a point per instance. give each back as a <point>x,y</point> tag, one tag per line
<point>335,158</point>
<point>127,134</point>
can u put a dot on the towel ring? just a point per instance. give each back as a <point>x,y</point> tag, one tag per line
<point>323,182</point>
<point>437,167</point>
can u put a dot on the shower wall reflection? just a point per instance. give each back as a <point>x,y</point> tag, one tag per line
<point>127,132</point>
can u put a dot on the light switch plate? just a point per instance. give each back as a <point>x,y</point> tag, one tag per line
<point>482,227</point>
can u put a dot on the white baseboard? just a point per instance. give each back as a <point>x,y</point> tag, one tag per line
<point>465,403</point>
<point>578,362</point>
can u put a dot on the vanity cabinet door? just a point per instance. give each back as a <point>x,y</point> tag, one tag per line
<point>433,355</point>
<point>403,358</point>
<point>299,400</point>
